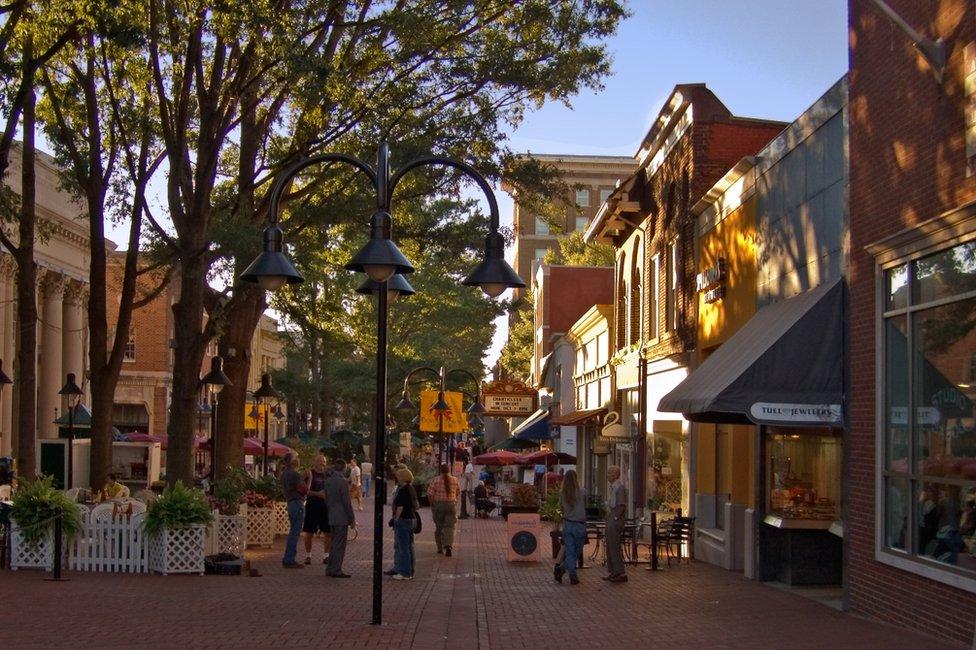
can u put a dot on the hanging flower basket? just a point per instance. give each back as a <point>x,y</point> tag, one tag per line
<point>177,550</point>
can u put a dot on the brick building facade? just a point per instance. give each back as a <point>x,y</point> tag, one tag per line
<point>913,223</point>
<point>692,143</point>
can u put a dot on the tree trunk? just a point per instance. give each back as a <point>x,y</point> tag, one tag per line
<point>242,321</point>
<point>26,370</point>
<point>191,344</point>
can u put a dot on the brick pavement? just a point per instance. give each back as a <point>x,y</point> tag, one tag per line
<point>473,600</point>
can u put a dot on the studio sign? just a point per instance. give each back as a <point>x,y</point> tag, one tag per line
<point>711,281</point>
<point>796,413</point>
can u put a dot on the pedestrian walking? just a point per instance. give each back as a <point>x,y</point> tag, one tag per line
<point>468,483</point>
<point>443,495</point>
<point>316,511</point>
<point>367,468</point>
<point>616,510</point>
<point>404,513</point>
<point>294,488</point>
<point>356,484</point>
<point>341,517</point>
<point>573,504</point>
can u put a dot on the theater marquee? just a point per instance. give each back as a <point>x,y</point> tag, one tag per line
<point>504,398</point>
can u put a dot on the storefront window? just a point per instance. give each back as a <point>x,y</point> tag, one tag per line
<point>930,469</point>
<point>804,476</point>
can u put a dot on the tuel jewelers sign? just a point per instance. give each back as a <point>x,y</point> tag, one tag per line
<point>796,413</point>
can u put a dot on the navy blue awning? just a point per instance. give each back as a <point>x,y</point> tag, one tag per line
<point>535,427</point>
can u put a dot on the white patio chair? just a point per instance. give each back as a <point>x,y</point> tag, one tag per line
<point>144,496</point>
<point>72,494</point>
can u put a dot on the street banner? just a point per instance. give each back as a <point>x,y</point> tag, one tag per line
<point>454,419</point>
<point>255,423</point>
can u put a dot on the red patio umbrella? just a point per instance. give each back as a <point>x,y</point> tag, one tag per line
<point>547,458</point>
<point>255,447</point>
<point>500,457</point>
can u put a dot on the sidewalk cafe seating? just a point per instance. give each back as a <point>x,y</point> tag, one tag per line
<point>672,535</point>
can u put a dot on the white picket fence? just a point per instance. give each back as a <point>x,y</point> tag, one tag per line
<point>118,546</point>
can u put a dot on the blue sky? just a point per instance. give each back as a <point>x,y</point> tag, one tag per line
<point>762,58</point>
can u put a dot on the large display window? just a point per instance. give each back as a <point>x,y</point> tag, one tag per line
<point>803,482</point>
<point>929,409</point>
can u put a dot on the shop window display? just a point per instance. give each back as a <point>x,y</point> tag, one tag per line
<point>804,481</point>
<point>929,432</point>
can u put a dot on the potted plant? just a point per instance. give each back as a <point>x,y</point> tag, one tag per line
<point>35,505</point>
<point>176,524</point>
<point>524,498</point>
<point>228,534</point>
<point>552,510</point>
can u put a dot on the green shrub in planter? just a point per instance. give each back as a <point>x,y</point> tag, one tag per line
<point>552,509</point>
<point>177,507</point>
<point>35,504</point>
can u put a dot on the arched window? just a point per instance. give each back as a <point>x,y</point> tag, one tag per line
<point>622,303</point>
<point>636,325</point>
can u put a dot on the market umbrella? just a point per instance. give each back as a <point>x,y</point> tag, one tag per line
<point>514,444</point>
<point>496,458</point>
<point>275,449</point>
<point>346,437</point>
<point>547,458</point>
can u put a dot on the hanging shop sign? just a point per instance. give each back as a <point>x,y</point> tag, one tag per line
<point>796,413</point>
<point>711,282</point>
<point>505,398</point>
<point>612,428</point>
<point>453,420</point>
<point>601,446</point>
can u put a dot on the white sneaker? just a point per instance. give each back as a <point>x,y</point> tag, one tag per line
<point>400,576</point>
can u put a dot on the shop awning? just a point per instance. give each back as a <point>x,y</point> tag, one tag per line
<point>577,416</point>
<point>535,427</point>
<point>784,367</point>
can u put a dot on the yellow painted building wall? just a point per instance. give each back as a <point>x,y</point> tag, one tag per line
<point>726,452</point>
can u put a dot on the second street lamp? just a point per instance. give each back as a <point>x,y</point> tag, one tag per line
<point>215,380</point>
<point>380,259</point>
<point>73,393</point>
<point>266,392</point>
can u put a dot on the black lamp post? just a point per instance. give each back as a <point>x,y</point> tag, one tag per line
<point>215,380</point>
<point>73,393</point>
<point>4,380</point>
<point>440,406</point>
<point>380,259</point>
<point>266,392</point>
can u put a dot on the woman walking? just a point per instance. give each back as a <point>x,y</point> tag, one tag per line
<point>573,505</point>
<point>404,511</point>
<point>443,494</point>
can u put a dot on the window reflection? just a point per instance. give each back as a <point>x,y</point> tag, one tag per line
<point>945,524</point>
<point>949,273</point>
<point>896,285</point>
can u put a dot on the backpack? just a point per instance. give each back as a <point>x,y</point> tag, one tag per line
<point>418,524</point>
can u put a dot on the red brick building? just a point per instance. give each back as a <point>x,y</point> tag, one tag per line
<point>912,480</point>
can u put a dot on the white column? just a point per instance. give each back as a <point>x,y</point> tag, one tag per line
<point>49,368</point>
<point>73,334</point>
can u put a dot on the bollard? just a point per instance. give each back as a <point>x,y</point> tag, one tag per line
<point>653,541</point>
<point>58,551</point>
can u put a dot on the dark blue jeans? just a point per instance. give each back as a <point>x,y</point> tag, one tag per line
<point>403,557</point>
<point>574,534</point>
<point>296,515</point>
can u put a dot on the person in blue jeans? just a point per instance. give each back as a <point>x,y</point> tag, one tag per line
<point>404,511</point>
<point>294,488</point>
<point>573,504</point>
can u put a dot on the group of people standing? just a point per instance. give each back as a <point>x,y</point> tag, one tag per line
<point>320,500</point>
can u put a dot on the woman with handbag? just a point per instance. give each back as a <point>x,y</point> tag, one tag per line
<point>404,521</point>
<point>443,495</point>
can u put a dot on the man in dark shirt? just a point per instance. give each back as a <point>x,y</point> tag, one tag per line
<point>341,517</point>
<point>294,488</point>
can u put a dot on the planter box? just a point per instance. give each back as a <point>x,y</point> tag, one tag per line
<point>508,508</point>
<point>281,523</point>
<point>227,534</point>
<point>25,556</point>
<point>260,526</point>
<point>178,550</point>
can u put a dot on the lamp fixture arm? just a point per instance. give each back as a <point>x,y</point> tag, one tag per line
<point>477,384</point>
<point>406,380</point>
<point>464,167</point>
<point>286,177</point>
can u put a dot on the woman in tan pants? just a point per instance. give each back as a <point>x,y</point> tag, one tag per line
<point>443,495</point>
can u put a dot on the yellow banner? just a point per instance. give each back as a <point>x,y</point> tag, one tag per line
<point>258,422</point>
<point>454,419</point>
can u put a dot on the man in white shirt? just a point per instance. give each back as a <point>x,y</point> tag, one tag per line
<point>367,476</point>
<point>468,482</point>
<point>355,484</point>
<point>616,511</point>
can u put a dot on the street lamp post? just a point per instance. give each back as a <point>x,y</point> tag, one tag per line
<point>73,393</point>
<point>266,392</point>
<point>215,380</point>
<point>380,259</point>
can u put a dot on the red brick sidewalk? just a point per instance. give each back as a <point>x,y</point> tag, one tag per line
<point>473,600</point>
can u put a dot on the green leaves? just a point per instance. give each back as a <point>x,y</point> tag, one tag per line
<point>177,507</point>
<point>35,507</point>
